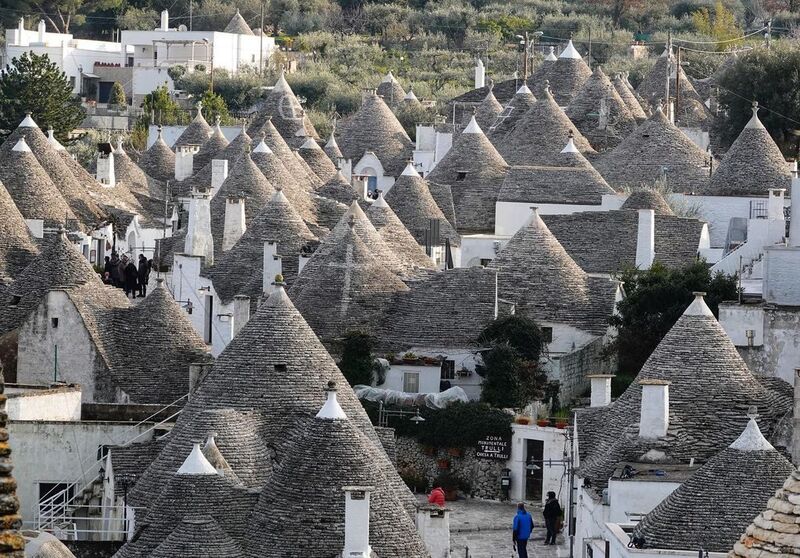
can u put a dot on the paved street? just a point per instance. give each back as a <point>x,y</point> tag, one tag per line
<point>483,528</point>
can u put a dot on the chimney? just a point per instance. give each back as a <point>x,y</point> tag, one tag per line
<point>272,266</point>
<point>234,222</point>
<point>198,372</point>
<point>184,162</point>
<point>105,170</point>
<point>654,417</point>
<point>241,312</point>
<point>646,239</point>
<point>165,20</point>
<point>219,172</point>
<point>480,74</point>
<point>356,522</point>
<point>199,241</point>
<point>433,526</point>
<point>601,389</point>
<point>20,31</point>
<point>796,419</point>
<point>602,119</point>
<point>301,264</point>
<point>40,29</point>
<point>775,204</point>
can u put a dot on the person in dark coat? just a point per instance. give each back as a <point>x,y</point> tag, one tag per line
<point>143,275</point>
<point>552,512</point>
<point>114,271</point>
<point>130,276</point>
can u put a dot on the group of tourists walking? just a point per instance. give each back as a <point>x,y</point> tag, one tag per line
<point>123,273</point>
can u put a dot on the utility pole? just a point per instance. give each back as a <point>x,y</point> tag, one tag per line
<point>589,57</point>
<point>261,44</point>
<point>669,61</point>
<point>678,79</point>
<point>769,34</point>
<point>525,60</point>
<point>190,14</point>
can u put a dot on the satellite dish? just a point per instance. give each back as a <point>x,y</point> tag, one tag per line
<point>182,27</point>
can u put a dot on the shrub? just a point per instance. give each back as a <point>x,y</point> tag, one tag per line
<point>414,479</point>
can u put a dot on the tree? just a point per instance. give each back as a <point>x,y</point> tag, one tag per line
<point>160,108</point>
<point>511,348</point>
<point>356,361</point>
<point>118,95</point>
<point>214,105</point>
<point>139,19</point>
<point>721,26</point>
<point>31,83</point>
<point>61,14</point>
<point>655,299</point>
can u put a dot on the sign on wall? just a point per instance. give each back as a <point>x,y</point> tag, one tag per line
<point>494,447</point>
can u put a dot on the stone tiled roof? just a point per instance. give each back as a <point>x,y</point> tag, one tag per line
<point>474,170</point>
<point>648,198</point>
<point>271,374</point>
<point>391,90</point>
<point>487,112</point>
<point>539,135</point>
<point>443,196</point>
<point>332,149</point>
<point>33,192</point>
<point>605,241</point>
<point>210,148</point>
<point>317,160</point>
<point>516,108</point>
<point>569,185</point>
<point>752,165</point>
<point>245,182</point>
<point>238,25</point>
<point>584,111</point>
<point>158,160</point>
<point>537,274</point>
<point>710,391</point>
<point>12,544</point>
<point>722,496</point>
<point>202,177</point>
<point>134,179</point>
<point>240,270</point>
<point>373,127</point>
<point>772,532</point>
<point>411,200</point>
<point>641,158</point>
<point>305,496</point>
<point>567,76</point>
<point>396,235</point>
<point>329,212</point>
<point>132,460</point>
<point>627,95</point>
<point>339,189</point>
<point>197,132</point>
<point>200,537</point>
<point>502,90</point>
<point>41,544</point>
<point>17,248</point>
<point>287,115</point>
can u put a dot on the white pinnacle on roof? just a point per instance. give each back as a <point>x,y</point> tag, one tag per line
<point>199,109</point>
<point>331,410</point>
<point>410,96</point>
<point>570,147</point>
<point>21,145</point>
<point>119,150</point>
<point>472,127</point>
<point>409,170</point>
<point>217,120</point>
<point>380,202</point>
<point>524,89</point>
<point>28,122</point>
<point>388,78</point>
<point>54,142</point>
<point>262,147</point>
<point>281,84</point>
<point>698,307</point>
<point>197,464</point>
<point>551,56</point>
<point>332,142</point>
<point>752,439</point>
<point>570,52</point>
<point>310,144</point>
<point>754,121</point>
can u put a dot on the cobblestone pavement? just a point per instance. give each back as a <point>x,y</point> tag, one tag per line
<point>484,527</point>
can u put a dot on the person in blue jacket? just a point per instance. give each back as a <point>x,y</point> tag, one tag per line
<point>521,530</point>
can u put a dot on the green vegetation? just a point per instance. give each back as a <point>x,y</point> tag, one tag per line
<point>118,95</point>
<point>31,83</point>
<point>356,360</point>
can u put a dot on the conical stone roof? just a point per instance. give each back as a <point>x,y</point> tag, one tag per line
<point>655,148</point>
<point>722,496</point>
<point>396,235</point>
<point>373,127</point>
<point>474,170</point>
<point>329,213</point>
<point>538,136</point>
<point>752,166</point>
<point>200,537</point>
<point>411,100</point>
<point>391,90</point>
<point>339,189</point>
<point>244,182</point>
<point>710,391</point>
<point>242,267</point>
<point>197,132</point>
<point>648,198</point>
<point>210,148</point>
<point>332,149</point>
<point>567,75</point>
<point>33,192</point>
<point>129,174</point>
<point>158,160</point>
<point>287,115</point>
<point>627,95</point>
<point>522,101</point>
<point>238,25</point>
<point>596,96</point>
<point>202,178</point>
<point>306,495</point>
<point>17,248</point>
<point>317,160</point>
<point>411,200</point>
<point>487,112</point>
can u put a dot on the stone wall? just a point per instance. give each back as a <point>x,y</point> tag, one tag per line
<point>574,367</point>
<point>483,475</point>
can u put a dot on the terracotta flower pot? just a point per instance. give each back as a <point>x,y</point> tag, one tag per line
<point>451,495</point>
<point>523,420</point>
<point>543,422</point>
<point>562,424</point>
<point>443,464</point>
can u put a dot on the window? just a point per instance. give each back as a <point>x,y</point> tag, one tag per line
<point>54,499</point>
<point>72,82</point>
<point>460,176</point>
<point>15,299</point>
<point>547,334</point>
<point>448,370</point>
<point>411,382</point>
<point>54,322</point>
<point>485,262</point>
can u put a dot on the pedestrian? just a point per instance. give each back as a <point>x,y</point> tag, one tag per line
<point>521,530</point>
<point>114,271</point>
<point>436,497</point>
<point>143,275</point>
<point>552,512</point>
<point>130,276</point>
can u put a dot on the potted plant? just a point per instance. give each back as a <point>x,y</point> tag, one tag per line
<point>543,421</point>
<point>562,418</point>
<point>451,484</point>
<point>522,420</point>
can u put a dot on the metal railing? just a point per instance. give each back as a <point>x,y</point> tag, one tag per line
<point>88,522</point>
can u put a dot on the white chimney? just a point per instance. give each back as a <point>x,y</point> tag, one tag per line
<point>775,204</point>
<point>480,74</point>
<point>241,312</point>
<point>796,419</point>
<point>356,522</point>
<point>794,224</point>
<point>234,226</point>
<point>433,526</point>
<point>301,264</point>
<point>40,29</point>
<point>105,170</point>
<point>654,417</point>
<point>601,389</point>
<point>219,172</point>
<point>20,31</point>
<point>199,241</point>
<point>646,239</point>
<point>165,20</point>
<point>273,266</point>
<point>184,162</point>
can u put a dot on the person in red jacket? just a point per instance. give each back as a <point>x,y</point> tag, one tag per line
<point>436,497</point>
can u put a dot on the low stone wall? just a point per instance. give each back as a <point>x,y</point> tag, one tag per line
<point>575,366</point>
<point>482,474</point>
